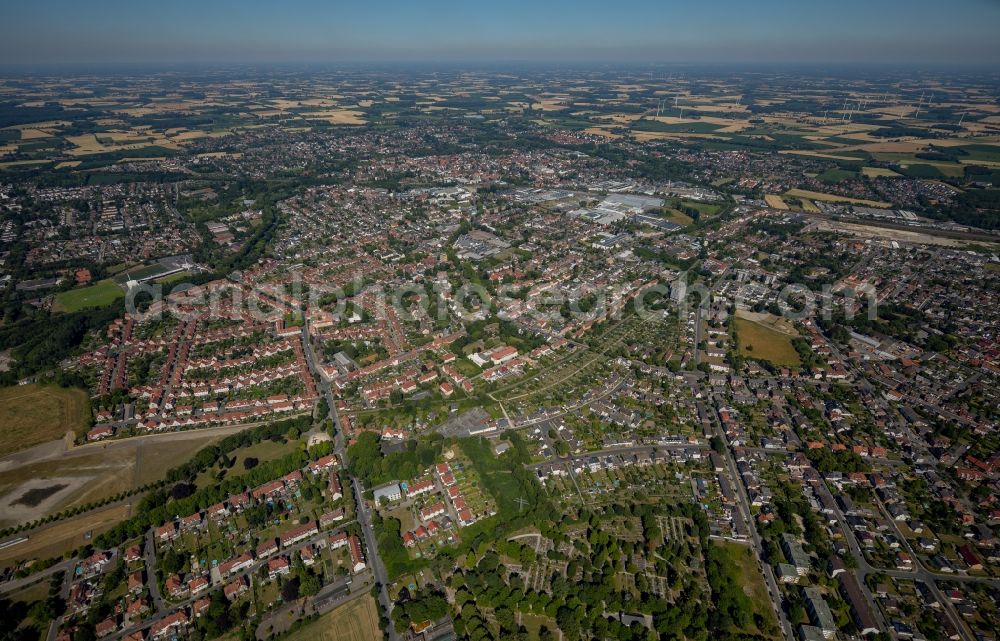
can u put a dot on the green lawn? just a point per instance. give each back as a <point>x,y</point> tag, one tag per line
<point>743,565</point>
<point>99,294</point>
<point>759,341</point>
<point>706,209</point>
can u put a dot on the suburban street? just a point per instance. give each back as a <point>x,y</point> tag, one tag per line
<point>744,507</point>
<point>364,517</point>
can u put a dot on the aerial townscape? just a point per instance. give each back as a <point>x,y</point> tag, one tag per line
<point>513,334</point>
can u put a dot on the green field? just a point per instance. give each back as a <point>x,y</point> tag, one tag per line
<point>742,563</point>
<point>99,294</point>
<point>33,414</point>
<point>834,176</point>
<point>706,209</point>
<point>695,127</point>
<point>760,341</point>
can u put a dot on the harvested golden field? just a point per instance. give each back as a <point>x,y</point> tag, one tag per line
<point>730,107</point>
<point>33,414</point>
<point>898,110</point>
<point>808,205</point>
<point>878,172</point>
<point>356,620</point>
<point>88,144</point>
<point>734,127</point>
<point>774,200</point>
<point>35,134</point>
<point>669,135</point>
<point>833,198</point>
<point>548,105</point>
<point>119,137</point>
<point>48,124</point>
<point>818,154</point>
<point>618,119</point>
<point>338,116</point>
<point>196,135</point>
<point>598,131</point>
<point>22,163</point>
<point>135,112</point>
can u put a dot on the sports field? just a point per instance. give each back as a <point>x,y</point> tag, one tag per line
<point>99,294</point>
<point>33,414</point>
<point>353,621</point>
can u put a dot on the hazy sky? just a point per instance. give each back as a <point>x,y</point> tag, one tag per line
<point>659,31</point>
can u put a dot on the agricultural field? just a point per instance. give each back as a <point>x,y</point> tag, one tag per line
<point>34,414</point>
<point>834,176</point>
<point>99,294</point>
<point>834,198</point>
<point>773,200</point>
<point>338,116</point>
<point>878,172</point>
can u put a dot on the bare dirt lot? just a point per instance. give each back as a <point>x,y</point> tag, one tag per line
<point>65,535</point>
